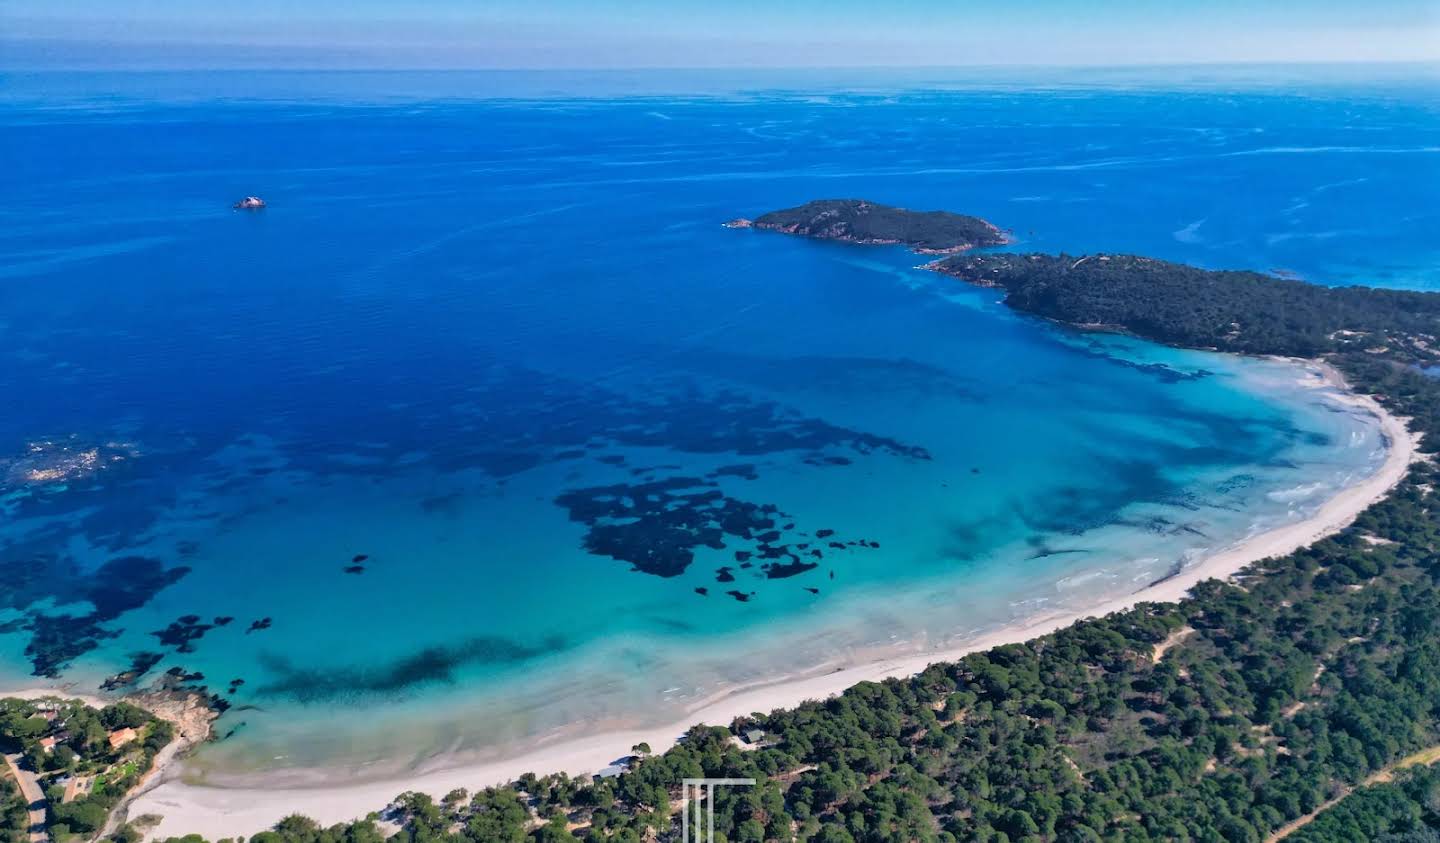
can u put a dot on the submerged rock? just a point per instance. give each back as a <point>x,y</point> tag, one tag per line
<point>250,203</point>
<point>780,571</point>
<point>183,633</point>
<point>140,664</point>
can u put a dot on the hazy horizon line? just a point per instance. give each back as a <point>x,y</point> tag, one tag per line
<point>1433,63</point>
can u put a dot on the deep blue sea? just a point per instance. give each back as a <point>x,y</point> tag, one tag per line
<point>487,428</point>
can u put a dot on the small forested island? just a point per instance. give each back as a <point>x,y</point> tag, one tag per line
<point>1301,702</point>
<point>870,223</point>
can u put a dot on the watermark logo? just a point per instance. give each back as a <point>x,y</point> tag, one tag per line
<point>693,791</point>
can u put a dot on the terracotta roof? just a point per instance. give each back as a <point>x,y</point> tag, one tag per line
<point>120,737</point>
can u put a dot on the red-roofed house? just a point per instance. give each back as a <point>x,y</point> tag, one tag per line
<point>120,737</point>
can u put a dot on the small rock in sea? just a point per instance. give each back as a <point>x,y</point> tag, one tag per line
<point>359,557</point>
<point>742,555</point>
<point>702,591</point>
<point>354,569</point>
<point>812,590</point>
<point>783,570</point>
<point>223,620</point>
<point>974,471</point>
<point>263,623</point>
<point>832,575</point>
<point>824,534</point>
<point>838,545</point>
<point>250,203</point>
<point>817,554</point>
<point>741,596</point>
<point>724,575</point>
<point>747,565</point>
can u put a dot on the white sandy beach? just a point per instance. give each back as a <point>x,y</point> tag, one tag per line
<point>227,812</point>
<point>59,691</point>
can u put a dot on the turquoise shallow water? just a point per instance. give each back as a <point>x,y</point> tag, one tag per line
<point>500,359</point>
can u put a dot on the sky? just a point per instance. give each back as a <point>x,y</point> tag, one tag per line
<point>576,34</point>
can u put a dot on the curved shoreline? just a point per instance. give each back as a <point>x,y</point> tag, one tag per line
<point>225,812</point>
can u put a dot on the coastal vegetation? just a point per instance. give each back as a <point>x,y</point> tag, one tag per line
<point>1227,716</point>
<point>14,812</point>
<point>1397,811</point>
<point>1383,340</point>
<point>84,759</point>
<point>1175,304</point>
